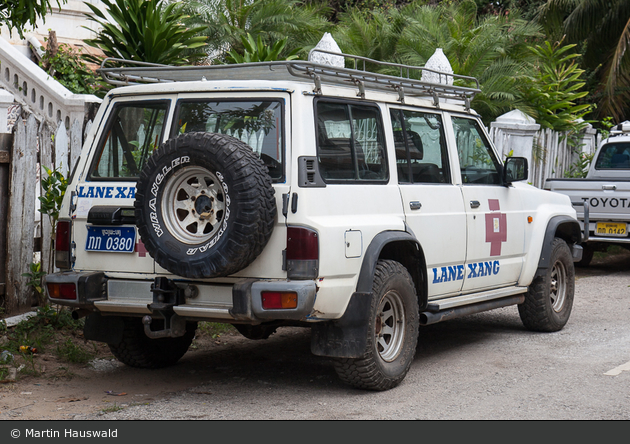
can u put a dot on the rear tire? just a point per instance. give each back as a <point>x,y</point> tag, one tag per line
<point>138,350</point>
<point>255,332</point>
<point>549,300</point>
<point>392,332</point>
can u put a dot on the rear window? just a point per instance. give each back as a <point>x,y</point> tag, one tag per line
<point>614,156</point>
<point>133,131</point>
<point>258,123</point>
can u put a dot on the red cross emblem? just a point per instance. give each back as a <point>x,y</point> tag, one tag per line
<point>142,252</point>
<point>496,227</point>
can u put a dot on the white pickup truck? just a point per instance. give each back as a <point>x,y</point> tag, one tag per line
<point>604,194</point>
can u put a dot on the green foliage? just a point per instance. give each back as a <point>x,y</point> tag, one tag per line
<point>602,29</point>
<point>490,48</point>
<point>68,68</point>
<point>73,353</point>
<point>257,51</point>
<point>16,14</point>
<point>606,124</point>
<point>226,22</point>
<point>38,331</point>
<point>214,329</point>
<point>35,275</point>
<point>146,31</point>
<point>54,187</point>
<point>555,90</point>
<point>580,168</point>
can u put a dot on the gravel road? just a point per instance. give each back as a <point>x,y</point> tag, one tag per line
<point>485,366</point>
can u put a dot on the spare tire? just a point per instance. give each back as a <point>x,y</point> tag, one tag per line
<point>205,205</point>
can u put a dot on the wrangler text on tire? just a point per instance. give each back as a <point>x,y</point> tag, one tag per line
<point>205,206</point>
<point>549,300</point>
<point>392,332</point>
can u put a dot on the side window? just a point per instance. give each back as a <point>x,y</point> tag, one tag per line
<point>421,155</point>
<point>350,143</point>
<point>477,160</point>
<point>258,123</point>
<point>134,130</point>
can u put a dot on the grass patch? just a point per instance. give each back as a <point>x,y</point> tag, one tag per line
<point>68,351</point>
<point>50,330</point>
<point>112,408</point>
<point>214,329</point>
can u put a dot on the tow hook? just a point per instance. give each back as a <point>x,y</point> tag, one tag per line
<point>166,295</point>
<point>175,327</point>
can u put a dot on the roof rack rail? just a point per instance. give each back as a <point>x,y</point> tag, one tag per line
<point>404,84</point>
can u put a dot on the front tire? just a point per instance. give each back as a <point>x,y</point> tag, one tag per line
<point>392,332</point>
<point>549,300</point>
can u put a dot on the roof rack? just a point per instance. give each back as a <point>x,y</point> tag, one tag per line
<point>319,74</point>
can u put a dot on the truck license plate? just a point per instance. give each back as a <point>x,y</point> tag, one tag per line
<point>617,229</point>
<point>111,239</point>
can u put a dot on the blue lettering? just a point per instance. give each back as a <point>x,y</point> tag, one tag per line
<point>495,267</point>
<point>108,192</point>
<point>460,272</point>
<point>444,277</point>
<point>121,192</point>
<point>90,192</point>
<point>452,273</point>
<point>487,268</point>
<point>132,193</point>
<point>473,271</point>
<point>100,192</point>
<point>80,193</point>
<point>435,278</point>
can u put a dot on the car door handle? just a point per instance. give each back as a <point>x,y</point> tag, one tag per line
<point>474,204</point>
<point>415,205</point>
<point>609,187</point>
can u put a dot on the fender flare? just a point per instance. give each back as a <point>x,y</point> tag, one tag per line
<point>373,253</point>
<point>346,337</point>
<point>564,227</point>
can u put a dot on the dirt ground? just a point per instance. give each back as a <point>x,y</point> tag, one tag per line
<point>63,391</point>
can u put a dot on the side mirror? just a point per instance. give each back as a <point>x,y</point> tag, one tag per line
<point>515,169</point>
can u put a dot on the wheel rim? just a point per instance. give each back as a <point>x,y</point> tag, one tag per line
<point>558,286</point>
<point>390,326</point>
<point>193,205</point>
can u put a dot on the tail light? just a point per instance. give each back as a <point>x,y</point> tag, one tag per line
<point>302,254</point>
<point>63,249</point>
<point>62,291</point>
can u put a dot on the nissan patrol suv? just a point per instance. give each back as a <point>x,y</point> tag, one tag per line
<point>363,206</point>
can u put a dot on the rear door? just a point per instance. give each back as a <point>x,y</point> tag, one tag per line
<point>104,232</point>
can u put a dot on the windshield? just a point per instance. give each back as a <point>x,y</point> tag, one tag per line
<point>614,156</point>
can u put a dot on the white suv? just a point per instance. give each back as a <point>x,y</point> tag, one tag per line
<point>360,205</point>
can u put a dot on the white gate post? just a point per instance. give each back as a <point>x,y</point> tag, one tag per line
<point>515,131</point>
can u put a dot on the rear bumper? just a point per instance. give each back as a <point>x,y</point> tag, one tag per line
<point>239,302</point>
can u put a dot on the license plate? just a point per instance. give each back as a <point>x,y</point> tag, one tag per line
<point>111,239</point>
<point>617,229</point>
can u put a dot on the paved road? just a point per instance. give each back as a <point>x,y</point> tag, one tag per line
<point>486,366</point>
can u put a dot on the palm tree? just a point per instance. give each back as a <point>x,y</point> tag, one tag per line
<point>491,48</point>
<point>228,21</point>
<point>603,28</point>
<point>145,31</point>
